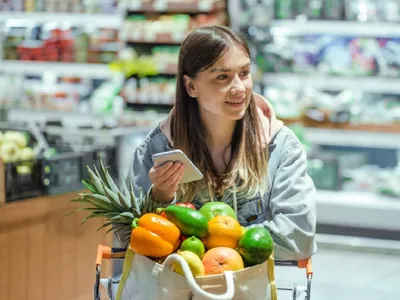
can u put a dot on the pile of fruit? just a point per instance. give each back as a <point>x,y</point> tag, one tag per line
<point>14,148</point>
<point>211,239</point>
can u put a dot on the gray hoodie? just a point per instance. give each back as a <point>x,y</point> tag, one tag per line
<point>287,209</point>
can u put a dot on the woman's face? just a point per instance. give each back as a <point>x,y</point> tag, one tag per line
<point>225,88</point>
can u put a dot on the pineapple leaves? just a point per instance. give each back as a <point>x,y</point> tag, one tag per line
<point>124,188</point>
<point>125,218</point>
<point>125,201</point>
<point>134,204</point>
<point>118,206</point>
<point>105,225</point>
<point>101,202</point>
<point>82,200</point>
<point>114,199</point>
<point>109,181</point>
<point>89,185</point>
<point>96,181</point>
<point>84,209</point>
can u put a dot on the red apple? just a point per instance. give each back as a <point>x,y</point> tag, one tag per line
<point>220,259</point>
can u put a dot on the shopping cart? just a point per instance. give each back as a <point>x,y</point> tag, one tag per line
<point>104,252</point>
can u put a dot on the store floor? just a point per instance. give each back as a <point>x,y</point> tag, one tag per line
<point>347,275</point>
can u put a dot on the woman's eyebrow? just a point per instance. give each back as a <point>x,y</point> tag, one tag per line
<point>213,70</point>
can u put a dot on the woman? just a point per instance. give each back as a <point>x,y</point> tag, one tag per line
<point>231,134</point>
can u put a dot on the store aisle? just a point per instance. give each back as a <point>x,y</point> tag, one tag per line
<point>348,275</point>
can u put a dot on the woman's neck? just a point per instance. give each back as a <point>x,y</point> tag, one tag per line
<point>219,131</point>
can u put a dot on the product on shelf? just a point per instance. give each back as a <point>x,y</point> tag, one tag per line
<point>155,90</point>
<point>331,55</point>
<point>349,109</point>
<point>188,6</point>
<point>256,12</point>
<point>45,93</point>
<point>57,6</point>
<point>59,42</point>
<point>332,9</point>
<point>351,10</point>
<point>165,29</point>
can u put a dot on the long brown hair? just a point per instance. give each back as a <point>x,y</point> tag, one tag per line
<point>248,166</point>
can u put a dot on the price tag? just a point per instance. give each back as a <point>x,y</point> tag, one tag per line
<point>160,5</point>
<point>205,5</point>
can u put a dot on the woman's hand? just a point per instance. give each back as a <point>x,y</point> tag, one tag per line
<point>165,179</point>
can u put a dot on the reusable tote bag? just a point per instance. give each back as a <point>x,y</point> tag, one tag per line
<point>145,279</point>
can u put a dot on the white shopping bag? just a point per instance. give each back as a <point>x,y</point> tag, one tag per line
<point>144,279</point>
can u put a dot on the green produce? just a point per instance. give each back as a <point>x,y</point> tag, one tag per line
<point>119,206</point>
<point>9,152</point>
<point>255,246</point>
<point>213,209</point>
<point>27,153</point>
<point>194,245</point>
<point>18,138</point>
<point>190,222</point>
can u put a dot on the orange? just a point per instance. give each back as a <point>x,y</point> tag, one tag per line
<point>223,231</point>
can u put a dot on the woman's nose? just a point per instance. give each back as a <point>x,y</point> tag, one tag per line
<point>237,86</point>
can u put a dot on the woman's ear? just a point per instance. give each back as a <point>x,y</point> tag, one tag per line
<point>189,85</point>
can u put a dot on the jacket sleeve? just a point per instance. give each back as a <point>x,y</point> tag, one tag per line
<point>293,205</point>
<point>138,173</point>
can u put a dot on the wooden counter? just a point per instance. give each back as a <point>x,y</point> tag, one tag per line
<point>45,256</point>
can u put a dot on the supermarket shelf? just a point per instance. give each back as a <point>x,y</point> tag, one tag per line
<point>353,138</point>
<point>175,7</point>
<point>335,83</point>
<point>365,210</point>
<point>345,28</point>
<point>160,40</point>
<point>103,20</point>
<point>99,133</point>
<point>75,118</point>
<point>60,68</point>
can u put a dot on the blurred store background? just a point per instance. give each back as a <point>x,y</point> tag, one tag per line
<point>86,78</point>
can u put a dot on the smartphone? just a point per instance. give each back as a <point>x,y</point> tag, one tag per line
<point>191,173</point>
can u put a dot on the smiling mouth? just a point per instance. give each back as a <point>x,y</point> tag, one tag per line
<point>235,102</point>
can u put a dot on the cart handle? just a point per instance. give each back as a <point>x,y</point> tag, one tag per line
<point>301,264</point>
<point>306,264</point>
<point>105,252</point>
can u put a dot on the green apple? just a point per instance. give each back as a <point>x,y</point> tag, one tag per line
<point>216,208</point>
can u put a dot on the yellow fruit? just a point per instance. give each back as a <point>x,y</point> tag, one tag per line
<point>243,229</point>
<point>194,262</point>
<point>223,231</point>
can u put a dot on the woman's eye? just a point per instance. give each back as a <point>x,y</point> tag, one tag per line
<point>222,77</point>
<point>244,73</point>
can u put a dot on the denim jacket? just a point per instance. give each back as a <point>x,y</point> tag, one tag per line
<point>287,209</point>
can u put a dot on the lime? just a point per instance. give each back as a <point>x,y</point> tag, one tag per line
<point>194,245</point>
<point>256,246</point>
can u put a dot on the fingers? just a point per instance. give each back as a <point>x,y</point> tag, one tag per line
<point>175,178</point>
<point>167,176</point>
<point>160,170</point>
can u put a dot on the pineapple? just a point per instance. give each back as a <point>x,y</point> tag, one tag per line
<point>118,206</point>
